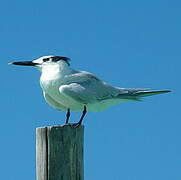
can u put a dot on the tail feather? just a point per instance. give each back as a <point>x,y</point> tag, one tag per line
<point>135,94</point>
<point>149,93</point>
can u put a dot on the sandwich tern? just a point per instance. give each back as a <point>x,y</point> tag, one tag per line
<point>70,90</point>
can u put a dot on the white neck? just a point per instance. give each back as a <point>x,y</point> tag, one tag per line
<point>55,70</point>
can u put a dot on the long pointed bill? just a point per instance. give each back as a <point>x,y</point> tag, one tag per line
<point>24,63</point>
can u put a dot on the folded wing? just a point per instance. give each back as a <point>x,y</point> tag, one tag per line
<point>87,88</point>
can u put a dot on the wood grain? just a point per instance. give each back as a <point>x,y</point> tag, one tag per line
<point>59,153</point>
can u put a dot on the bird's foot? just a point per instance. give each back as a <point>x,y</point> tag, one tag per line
<point>74,125</point>
<point>66,124</point>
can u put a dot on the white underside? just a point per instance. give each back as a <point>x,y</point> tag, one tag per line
<point>63,103</point>
<point>65,88</point>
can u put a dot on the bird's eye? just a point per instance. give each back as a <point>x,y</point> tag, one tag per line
<point>45,59</point>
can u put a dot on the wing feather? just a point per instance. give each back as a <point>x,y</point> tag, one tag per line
<point>86,88</point>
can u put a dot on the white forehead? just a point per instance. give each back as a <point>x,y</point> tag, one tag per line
<point>39,60</point>
<point>46,57</point>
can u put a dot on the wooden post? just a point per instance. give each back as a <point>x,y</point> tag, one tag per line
<point>59,153</point>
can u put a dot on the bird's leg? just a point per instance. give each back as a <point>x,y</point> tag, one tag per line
<point>82,117</point>
<point>67,116</point>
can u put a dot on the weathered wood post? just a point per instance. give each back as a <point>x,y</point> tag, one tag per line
<point>59,153</point>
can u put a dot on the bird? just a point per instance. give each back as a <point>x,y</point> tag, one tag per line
<point>66,89</point>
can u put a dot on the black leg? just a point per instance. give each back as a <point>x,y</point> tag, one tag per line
<point>82,117</point>
<point>68,116</point>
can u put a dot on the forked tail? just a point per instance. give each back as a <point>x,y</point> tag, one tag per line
<point>137,93</point>
<point>149,93</point>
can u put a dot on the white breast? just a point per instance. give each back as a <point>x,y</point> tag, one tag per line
<point>51,79</point>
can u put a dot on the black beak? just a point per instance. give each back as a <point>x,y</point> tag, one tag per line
<point>24,63</point>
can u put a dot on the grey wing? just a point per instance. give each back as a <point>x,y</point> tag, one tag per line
<point>86,88</point>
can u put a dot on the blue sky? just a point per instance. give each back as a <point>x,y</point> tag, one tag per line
<point>125,43</point>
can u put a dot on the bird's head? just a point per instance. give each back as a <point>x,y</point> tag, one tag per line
<point>44,61</point>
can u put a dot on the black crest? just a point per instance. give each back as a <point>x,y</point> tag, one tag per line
<point>58,58</point>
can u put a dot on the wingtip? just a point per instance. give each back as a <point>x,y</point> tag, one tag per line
<point>167,91</point>
<point>163,91</point>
